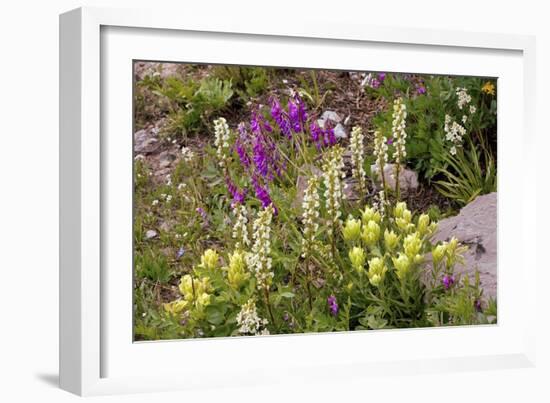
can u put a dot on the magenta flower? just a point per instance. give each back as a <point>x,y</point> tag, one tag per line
<point>262,194</point>
<point>332,305</point>
<point>237,195</point>
<point>240,146</point>
<point>280,117</point>
<point>420,90</point>
<point>448,281</point>
<point>381,77</point>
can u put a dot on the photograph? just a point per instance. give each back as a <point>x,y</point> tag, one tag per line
<point>279,200</point>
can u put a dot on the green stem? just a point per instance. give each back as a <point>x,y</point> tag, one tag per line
<point>266,295</point>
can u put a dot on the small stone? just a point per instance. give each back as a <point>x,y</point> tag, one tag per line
<point>166,159</point>
<point>340,132</point>
<point>150,234</point>
<point>166,226</point>
<point>331,115</point>
<point>408,179</point>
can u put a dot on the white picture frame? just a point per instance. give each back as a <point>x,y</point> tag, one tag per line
<point>97,357</point>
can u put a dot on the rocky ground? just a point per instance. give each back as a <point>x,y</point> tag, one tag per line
<point>476,227</point>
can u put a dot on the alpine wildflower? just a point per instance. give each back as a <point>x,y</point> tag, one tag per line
<point>332,177</point>
<point>187,155</point>
<point>310,215</point>
<point>463,97</point>
<point>399,116</point>
<point>488,88</point>
<point>357,160</point>
<point>236,271</point>
<point>221,132</point>
<point>377,271</point>
<point>260,260</point>
<point>332,305</point>
<point>250,324</point>
<point>240,228</point>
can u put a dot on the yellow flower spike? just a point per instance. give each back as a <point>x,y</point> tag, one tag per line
<point>175,307</point>
<point>375,279</point>
<point>412,245</point>
<point>370,214</point>
<point>236,272</point>
<point>439,252</point>
<point>186,287</point>
<point>390,239</point>
<point>371,233</point>
<point>399,209</point>
<point>402,265</point>
<point>377,270</point>
<point>357,258</point>
<point>209,259</point>
<point>204,299</point>
<point>423,223</point>
<point>352,230</point>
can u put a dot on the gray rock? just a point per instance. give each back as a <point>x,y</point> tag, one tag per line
<point>167,226</point>
<point>331,115</point>
<point>335,120</point>
<point>340,132</point>
<point>150,234</point>
<point>165,159</point>
<point>408,179</point>
<point>476,227</point>
<point>145,142</point>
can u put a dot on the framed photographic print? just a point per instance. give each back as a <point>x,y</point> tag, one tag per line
<point>240,197</point>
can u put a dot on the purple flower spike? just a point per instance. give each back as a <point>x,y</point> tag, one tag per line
<point>316,134</point>
<point>294,116</point>
<point>240,146</point>
<point>262,194</point>
<point>237,195</point>
<point>280,118</point>
<point>448,281</point>
<point>302,110</point>
<point>332,305</point>
<point>381,77</point>
<point>389,141</point>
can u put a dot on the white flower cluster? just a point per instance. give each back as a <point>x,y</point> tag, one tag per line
<point>250,324</point>
<point>454,132</point>
<point>380,149</point>
<point>357,150</point>
<point>259,260</point>
<point>398,129</point>
<point>380,203</point>
<point>221,132</point>
<point>332,176</point>
<point>310,215</point>
<point>240,229</point>
<point>463,97</point>
<point>187,154</point>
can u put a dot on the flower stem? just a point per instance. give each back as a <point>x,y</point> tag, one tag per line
<point>266,295</point>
